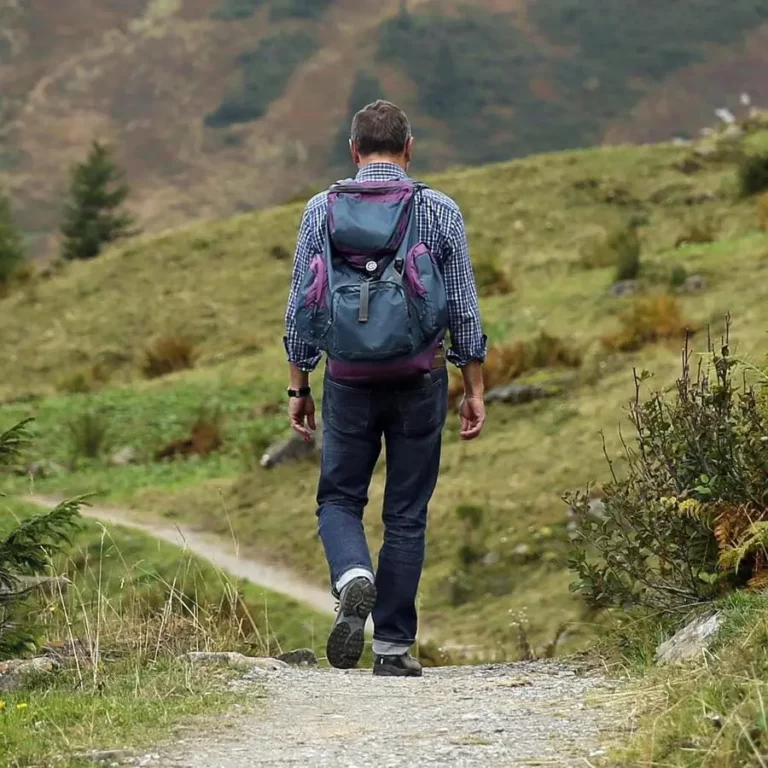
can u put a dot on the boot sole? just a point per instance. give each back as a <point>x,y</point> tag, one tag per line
<point>347,639</point>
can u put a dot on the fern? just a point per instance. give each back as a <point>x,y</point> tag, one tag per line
<point>13,441</point>
<point>754,544</point>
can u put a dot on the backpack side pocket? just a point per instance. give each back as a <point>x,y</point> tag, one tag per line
<point>312,312</point>
<point>426,289</point>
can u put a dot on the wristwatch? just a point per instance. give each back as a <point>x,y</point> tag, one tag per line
<point>302,392</point>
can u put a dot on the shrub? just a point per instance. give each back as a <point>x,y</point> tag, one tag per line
<point>691,518</point>
<point>620,248</point>
<point>279,252</point>
<point>649,320</point>
<point>168,354</point>
<point>762,211</point>
<point>753,174</point>
<point>626,245</point>
<point>697,233</point>
<point>491,278</point>
<point>25,551</point>
<point>88,435</point>
<point>678,277</point>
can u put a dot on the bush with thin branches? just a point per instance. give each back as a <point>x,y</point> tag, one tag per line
<point>690,519</point>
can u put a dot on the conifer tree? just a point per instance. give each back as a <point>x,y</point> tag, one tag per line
<point>93,215</point>
<point>11,248</point>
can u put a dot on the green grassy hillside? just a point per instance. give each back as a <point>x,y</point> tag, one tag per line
<point>539,223</point>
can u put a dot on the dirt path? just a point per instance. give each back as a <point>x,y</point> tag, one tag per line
<point>529,714</point>
<point>222,556</point>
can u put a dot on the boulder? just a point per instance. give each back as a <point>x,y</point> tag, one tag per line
<point>17,673</point>
<point>302,657</point>
<point>693,284</point>
<point>233,659</point>
<point>624,288</point>
<point>39,470</point>
<point>293,448</point>
<point>691,640</point>
<point>516,394</point>
<point>124,457</point>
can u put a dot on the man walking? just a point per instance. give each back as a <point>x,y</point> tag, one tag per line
<point>381,272</point>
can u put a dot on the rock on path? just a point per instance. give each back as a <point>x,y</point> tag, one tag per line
<point>532,713</point>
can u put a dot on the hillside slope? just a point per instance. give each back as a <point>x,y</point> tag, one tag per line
<point>224,285</point>
<point>220,106</point>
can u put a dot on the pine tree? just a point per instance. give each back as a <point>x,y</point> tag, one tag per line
<point>11,248</point>
<point>92,214</point>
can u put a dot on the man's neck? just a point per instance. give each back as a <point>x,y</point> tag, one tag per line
<point>399,161</point>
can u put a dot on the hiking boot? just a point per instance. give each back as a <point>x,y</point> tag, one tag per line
<point>347,638</point>
<point>397,666</point>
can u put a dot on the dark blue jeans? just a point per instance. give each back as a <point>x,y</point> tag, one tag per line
<point>410,416</point>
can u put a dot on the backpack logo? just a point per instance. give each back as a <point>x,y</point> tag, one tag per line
<point>375,299</point>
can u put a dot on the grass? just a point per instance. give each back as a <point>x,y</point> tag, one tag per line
<point>134,706</point>
<point>134,605</point>
<point>533,215</point>
<point>711,712</point>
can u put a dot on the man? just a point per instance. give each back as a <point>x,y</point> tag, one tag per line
<point>409,413</point>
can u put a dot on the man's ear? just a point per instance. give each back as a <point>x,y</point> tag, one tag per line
<point>408,151</point>
<point>355,154</point>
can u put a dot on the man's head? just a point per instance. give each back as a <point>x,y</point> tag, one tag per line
<point>381,133</point>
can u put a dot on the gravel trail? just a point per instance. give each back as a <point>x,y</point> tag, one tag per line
<point>217,551</point>
<point>524,714</point>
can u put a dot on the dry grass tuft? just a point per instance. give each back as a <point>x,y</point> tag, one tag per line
<point>649,320</point>
<point>205,437</point>
<point>491,277</point>
<point>507,362</point>
<point>168,354</point>
<point>697,233</point>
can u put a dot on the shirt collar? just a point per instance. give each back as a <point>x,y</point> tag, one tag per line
<point>381,172</point>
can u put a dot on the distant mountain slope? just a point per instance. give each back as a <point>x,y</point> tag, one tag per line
<point>219,106</point>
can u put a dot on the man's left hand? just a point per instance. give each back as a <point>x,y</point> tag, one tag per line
<point>302,413</point>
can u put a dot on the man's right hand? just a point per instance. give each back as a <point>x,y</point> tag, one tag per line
<point>472,413</point>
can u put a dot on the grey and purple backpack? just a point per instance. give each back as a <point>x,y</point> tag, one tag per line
<point>375,299</point>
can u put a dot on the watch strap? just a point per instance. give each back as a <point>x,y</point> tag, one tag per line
<point>301,392</point>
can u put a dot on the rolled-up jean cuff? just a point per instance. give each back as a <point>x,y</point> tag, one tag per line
<point>351,575</point>
<point>386,648</point>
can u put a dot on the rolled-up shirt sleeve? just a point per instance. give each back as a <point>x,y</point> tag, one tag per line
<point>467,339</point>
<point>299,353</point>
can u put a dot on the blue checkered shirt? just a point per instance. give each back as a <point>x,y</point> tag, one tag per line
<point>441,228</point>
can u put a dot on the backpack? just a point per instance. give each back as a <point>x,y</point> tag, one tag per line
<point>375,299</point>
